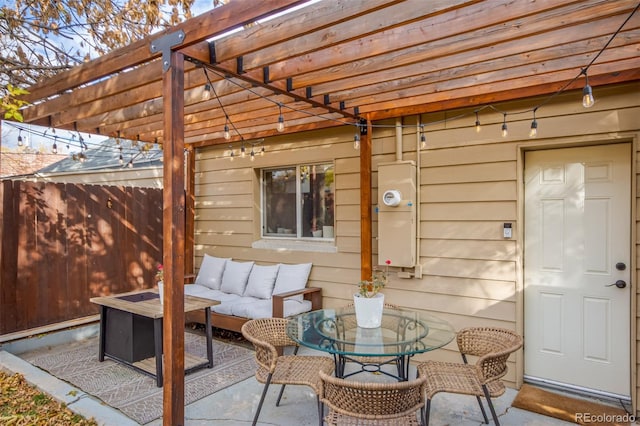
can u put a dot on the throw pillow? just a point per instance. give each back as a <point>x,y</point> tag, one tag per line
<point>261,281</point>
<point>292,277</point>
<point>235,276</point>
<point>210,272</point>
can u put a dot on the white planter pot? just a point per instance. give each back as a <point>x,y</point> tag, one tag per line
<point>368,310</point>
<point>161,291</point>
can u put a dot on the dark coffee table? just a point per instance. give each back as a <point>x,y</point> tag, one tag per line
<point>131,331</point>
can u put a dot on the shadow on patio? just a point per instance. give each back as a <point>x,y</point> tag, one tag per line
<point>228,394</point>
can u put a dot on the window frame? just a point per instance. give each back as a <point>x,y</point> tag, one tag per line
<point>298,202</point>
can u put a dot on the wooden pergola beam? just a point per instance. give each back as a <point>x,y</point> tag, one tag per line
<point>214,22</point>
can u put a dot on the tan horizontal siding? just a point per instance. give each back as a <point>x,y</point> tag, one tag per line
<point>483,172</point>
<point>469,249</point>
<point>470,268</point>
<point>205,211</point>
<point>473,230</point>
<point>224,188</point>
<point>467,287</point>
<point>469,192</point>
<point>482,211</point>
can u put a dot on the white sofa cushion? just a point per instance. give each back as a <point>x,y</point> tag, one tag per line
<point>235,276</point>
<point>261,281</point>
<point>264,308</point>
<point>227,307</point>
<point>292,277</point>
<point>210,272</point>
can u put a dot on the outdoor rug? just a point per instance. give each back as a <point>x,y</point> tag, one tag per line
<point>136,394</point>
<point>575,410</point>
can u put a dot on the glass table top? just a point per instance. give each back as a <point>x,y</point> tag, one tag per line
<point>403,332</point>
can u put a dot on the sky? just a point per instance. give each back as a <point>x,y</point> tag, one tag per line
<point>37,138</point>
<point>41,139</point>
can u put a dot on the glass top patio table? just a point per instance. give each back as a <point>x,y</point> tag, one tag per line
<point>402,334</point>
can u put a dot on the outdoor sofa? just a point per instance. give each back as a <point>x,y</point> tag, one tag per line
<point>247,291</point>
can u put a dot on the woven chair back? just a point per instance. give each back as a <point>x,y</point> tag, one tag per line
<point>365,400</point>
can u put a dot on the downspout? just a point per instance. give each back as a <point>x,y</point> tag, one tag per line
<point>419,132</point>
<point>399,139</point>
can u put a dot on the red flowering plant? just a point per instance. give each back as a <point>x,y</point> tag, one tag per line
<point>379,278</point>
<point>160,273</point>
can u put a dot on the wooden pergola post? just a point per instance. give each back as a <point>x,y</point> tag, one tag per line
<point>173,229</point>
<point>366,250</point>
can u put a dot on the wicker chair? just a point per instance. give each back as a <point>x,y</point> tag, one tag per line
<point>366,403</point>
<point>493,347</point>
<point>269,334</point>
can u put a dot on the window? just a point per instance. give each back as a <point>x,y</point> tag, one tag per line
<point>297,201</point>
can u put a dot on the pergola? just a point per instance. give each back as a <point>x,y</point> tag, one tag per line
<point>331,63</point>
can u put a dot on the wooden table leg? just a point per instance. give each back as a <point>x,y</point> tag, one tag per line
<point>207,324</point>
<point>157,340</point>
<point>103,329</point>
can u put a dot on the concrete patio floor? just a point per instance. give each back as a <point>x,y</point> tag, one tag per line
<point>236,404</point>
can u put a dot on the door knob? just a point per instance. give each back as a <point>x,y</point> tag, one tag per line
<point>619,284</point>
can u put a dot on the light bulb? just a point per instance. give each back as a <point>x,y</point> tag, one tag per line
<point>423,141</point>
<point>121,159</point>
<point>54,148</point>
<point>206,92</point>
<point>227,134</point>
<point>356,141</point>
<point>231,154</point>
<point>20,142</point>
<point>262,151</point>
<point>242,151</point>
<point>253,155</point>
<point>534,129</point>
<point>504,130</point>
<point>280,126</point>
<point>478,127</point>
<point>130,165</point>
<point>587,97</point>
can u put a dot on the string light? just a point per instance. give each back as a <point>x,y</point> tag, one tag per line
<point>505,132</point>
<point>356,139</point>
<point>231,154</point>
<point>423,137</point>
<point>206,92</point>
<point>227,134</point>
<point>280,126</point>
<point>587,92</point>
<point>253,155</point>
<point>588,101</point>
<point>534,126</point>
<point>243,151</point>
<point>54,147</point>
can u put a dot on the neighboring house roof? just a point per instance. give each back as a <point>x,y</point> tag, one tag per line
<point>106,156</point>
<point>20,164</point>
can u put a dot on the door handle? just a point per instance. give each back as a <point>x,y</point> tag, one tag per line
<point>619,284</point>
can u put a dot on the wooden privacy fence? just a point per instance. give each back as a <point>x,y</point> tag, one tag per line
<point>65,243</point>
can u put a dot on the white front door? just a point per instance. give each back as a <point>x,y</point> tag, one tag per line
<point>577,243</point>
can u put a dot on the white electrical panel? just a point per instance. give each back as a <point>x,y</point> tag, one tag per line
<point>397,213</point>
